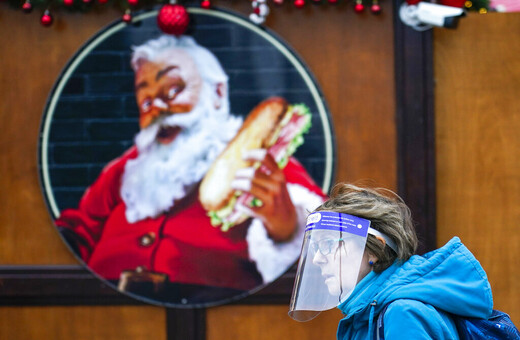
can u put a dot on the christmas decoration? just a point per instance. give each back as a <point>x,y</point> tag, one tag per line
<point>127,17</point>
<point>173,19</point>
<point>503,5</point>
<point>472,5</point>
<point>453,3</point>
<point>27,7</point>
<point>359,7</point>
<point>375,8</point>
<point>299,3</point>
<point>260,11</point>
<point>481,6</point>
<point>46,18</point>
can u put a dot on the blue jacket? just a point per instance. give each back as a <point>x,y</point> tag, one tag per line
<point>449,279</point>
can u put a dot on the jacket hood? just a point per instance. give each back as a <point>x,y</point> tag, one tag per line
<point>449,278</point>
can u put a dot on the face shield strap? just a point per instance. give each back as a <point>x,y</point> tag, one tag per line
<point>340,245</point>
<point>387,239</point>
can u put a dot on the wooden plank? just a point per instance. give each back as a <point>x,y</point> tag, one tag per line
<point>74,285</point>
<point>82,323</point>
<point>268,322</point>
<point>477,72</point>
<point>415,124</point>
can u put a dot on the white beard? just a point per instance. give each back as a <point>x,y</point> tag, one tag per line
<point>162,174</point>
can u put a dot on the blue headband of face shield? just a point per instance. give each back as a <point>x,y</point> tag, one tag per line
<point>329,220</point>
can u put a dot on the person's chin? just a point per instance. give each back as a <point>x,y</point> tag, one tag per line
<point>332,285</point>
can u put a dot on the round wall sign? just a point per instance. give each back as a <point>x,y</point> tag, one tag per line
<point>181,169</point>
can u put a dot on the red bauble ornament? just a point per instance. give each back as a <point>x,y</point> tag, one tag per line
<point>68,2</point>
<point>359,8</point>
<point>87,1</point>
<point>412,2</point>
<point>46,19</point>
<point>299,3</point>
<point>27,7</point>
<point>102,1</point>
<point>375,9</point>
<point>173,19</point>
<point>127,17</point>
<point>133,2</point>
<point>453,3</point>
<point>333,1</point>
<point>205,4</point>
<point>278,2</point>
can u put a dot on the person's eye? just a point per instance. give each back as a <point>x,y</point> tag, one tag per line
<point>329,246</point>
<point>174,91</point>
<point>326,246</point>
<point>146,105</point>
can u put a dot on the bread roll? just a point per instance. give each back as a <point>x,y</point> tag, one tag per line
<point>258,131</point>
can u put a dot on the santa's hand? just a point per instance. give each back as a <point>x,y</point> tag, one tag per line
<point>267,183</point>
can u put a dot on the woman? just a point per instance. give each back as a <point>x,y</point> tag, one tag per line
<point>357,255</point>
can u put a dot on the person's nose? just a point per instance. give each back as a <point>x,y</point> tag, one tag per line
<point>319,258</point>
<point>157,107</point>
<point>159,104</point>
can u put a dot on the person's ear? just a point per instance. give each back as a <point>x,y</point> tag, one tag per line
<point>372,260</point>
<point>221,94</point>
<point>382,240</point>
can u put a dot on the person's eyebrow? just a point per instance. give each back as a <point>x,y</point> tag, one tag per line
<point>164,71</point>
<point>140,85</point>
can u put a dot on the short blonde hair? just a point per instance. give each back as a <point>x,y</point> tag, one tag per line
<point>387,213</point>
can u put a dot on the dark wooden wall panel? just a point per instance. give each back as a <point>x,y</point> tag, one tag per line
<point>477,74</point>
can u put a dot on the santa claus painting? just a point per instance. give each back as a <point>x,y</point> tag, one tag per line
<point>152,223</point>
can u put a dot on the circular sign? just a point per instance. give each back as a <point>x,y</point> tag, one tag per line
<point>138,120</point>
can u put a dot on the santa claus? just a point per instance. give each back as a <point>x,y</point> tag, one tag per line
<point>141,224</point>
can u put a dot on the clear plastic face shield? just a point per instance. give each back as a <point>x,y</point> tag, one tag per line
<point>329,264</point>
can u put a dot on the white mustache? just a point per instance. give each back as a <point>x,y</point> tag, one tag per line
<point>146,137</point>
<point>182,120</point>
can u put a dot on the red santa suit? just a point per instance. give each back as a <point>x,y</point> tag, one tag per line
<point>181,242</point>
